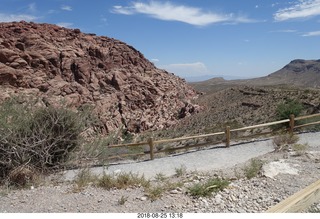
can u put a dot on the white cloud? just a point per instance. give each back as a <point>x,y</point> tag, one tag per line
<point>284,31</point>
<point>301,9</point>
<point>187,69</point>
<point>171,12</point>
<point>16,17</point>
<point>64,24</point>
<point>66,8</point>
<point>123,10</point>
<point>155,60</point>
<point>243,19</point>
<point>313,33</point>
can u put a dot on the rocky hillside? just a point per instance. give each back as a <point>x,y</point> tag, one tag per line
<point>125,89</point>
<point>241,106</point>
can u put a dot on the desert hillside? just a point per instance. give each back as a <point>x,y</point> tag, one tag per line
<point>241,105</point>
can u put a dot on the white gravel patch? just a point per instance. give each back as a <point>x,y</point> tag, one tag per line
<point>274,168</point>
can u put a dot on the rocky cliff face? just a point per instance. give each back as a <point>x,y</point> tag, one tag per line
<point>125,89</point>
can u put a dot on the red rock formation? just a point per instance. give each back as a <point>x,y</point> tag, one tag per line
<point>56,63</point>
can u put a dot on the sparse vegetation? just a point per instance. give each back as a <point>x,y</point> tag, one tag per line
<point>122,200</point>
<point>282,142</point>
<point>160,177</point>
<point>34,139</point>
<point>122,181</point>
<point>155,192</point>
<point>208,187</point>
<point>253,169</point>
<point>300,149</point>
<point>84,178</point>
<point>180,171</point>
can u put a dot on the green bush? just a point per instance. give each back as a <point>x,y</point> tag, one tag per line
<point>38,138</point>
<point>284,110</point>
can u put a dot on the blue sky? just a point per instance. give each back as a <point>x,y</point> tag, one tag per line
<point>241,38</point>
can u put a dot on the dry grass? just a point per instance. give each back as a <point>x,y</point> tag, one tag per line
<point>122,181</point>
<point>282,142</point>
<point>207,188</point>
<point>300,149</point>
<point>253,169</point>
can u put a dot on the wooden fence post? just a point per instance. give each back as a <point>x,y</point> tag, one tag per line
<point>291,124</point>
<point>151,145</point>
<point>228,136</point>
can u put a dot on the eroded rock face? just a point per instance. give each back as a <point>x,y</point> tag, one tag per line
<point>55,63</point>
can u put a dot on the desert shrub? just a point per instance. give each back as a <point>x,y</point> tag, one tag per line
<point>282,142</point>
<point>300,149</point>
<point>23,176</point>
<point>284,110</point>
<point>253,169</point>
<point>39,137</point>
<point>83,179</point>
<point>208,187</point>
<point>155,192</point>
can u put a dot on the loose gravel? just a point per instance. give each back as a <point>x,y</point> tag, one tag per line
<point>241,196</point>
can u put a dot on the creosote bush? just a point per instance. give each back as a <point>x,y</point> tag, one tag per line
<point>36,138</point>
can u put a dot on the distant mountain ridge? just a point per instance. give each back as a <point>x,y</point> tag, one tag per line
<point>208,77</point>
<point>299,73</point>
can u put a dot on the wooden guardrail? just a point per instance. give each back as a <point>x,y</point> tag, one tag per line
<point>299,201</point>
<point>227,133</point>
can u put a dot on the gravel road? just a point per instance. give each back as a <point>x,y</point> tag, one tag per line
<point>203,160</point>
